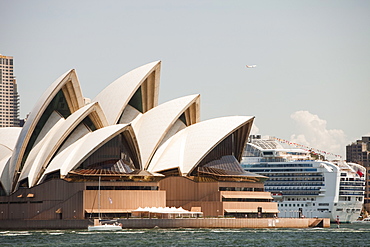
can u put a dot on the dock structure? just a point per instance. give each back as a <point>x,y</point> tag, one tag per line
<point>146,223</point>
<point>227,223</point>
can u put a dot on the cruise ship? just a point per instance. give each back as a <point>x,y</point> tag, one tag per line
<point>303,186</point>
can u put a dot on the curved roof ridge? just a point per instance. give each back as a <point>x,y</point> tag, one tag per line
<point>115,97</point>
<point>152,126</point>
<point>9,136</point>
<point>31,164</point>
<point>69,84</point>
<point>189,146</point>
<point>55,138</point>
<point>71,157</point>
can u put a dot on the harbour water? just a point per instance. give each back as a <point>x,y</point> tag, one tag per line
<point>346,235</point>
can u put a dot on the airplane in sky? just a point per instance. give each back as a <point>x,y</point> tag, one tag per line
<point>251,66</point>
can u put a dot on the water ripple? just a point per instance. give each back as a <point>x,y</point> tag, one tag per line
<point>346,235</point>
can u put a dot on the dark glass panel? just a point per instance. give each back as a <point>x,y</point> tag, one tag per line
<point>223,149</point>
<point>136,101</point>
<point>245,200</point>
<point>115,154</point>
<point>122,188</point>
<point>89,124</point>
<point>183,118</point>
<point>23,183</point>
<point>2,191</point>
<point>53,175</point>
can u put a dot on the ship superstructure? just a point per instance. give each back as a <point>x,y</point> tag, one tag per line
<point>304,187</point>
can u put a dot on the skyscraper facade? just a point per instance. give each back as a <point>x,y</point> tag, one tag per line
<point>9,98</point>
<point>359,152</point>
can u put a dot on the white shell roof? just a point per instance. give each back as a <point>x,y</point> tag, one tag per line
<point>5,152</point>
<point>4,174</point>
<point>37,112</point>
<point>8,139</point>
<point>115,97</point>
<point>71,157</point>
<point>9,136</point>
<point>189,146</point>
<point>150,128</point>
<point>41,154</point>
<point>32,164</point>
<point>160,139</point>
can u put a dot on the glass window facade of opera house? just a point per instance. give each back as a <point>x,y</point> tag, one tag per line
<point>76,157</point>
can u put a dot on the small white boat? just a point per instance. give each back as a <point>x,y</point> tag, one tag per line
<point>364,221</point>
<point>105,227</point>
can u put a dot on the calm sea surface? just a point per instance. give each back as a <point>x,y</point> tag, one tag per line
<point>346,235</point>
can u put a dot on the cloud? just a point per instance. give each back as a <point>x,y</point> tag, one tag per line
<point>314,133</point>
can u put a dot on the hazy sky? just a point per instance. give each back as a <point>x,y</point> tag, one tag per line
<point>311,84</point>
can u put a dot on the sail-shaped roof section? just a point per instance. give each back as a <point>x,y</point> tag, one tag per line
<point>91,116</point>
<point>5,181</point>
<point>64,96</point>
<point>166,119</point>
<point>189,147</point>
<point>8,139</point>
<point>137,91</point>
<point>74,155</point>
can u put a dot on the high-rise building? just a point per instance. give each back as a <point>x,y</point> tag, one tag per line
<point>9,98</point>
<point>359,152</point>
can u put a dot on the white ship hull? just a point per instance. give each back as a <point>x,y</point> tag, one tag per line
<point>304,187</point>
<point>364,221</point>
<point>345,212</point>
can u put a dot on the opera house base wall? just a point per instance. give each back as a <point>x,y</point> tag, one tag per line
<point>43,224</point>
<point>169,223</point>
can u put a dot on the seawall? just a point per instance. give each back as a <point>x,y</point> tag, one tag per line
<point>170,223</point>
<point>225,223</point>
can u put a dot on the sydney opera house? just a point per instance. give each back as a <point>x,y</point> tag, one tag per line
<point>130,151</point>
